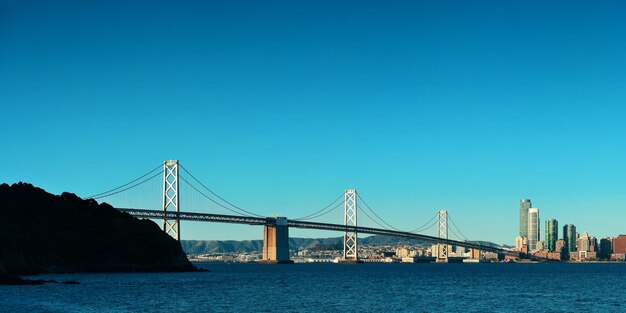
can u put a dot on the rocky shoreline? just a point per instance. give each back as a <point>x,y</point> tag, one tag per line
<point>15,280</point>
<point>45,233</point>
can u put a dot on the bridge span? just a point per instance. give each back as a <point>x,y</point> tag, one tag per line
<point>276,229</point>
<point>273,221</point>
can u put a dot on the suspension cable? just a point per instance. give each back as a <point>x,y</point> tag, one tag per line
<point>373,220</point>
<point>311,216</point>
<point>321,214</point>
<point>425,229</point>
<point>371,210</point>
<point>213,193</point>
<point>457,228</point>
<point>210,199</point>
<point>131,187</point>
<point>122,186</point>
<point>457,235</point>
<point>423,226</point>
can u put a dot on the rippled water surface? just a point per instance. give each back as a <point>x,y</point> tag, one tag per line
<point>335,288</point>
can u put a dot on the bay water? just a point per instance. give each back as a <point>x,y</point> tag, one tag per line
<point>237,287</point>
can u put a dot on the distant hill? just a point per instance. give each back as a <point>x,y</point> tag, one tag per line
<point>41,232</point>
<point>196,247</point>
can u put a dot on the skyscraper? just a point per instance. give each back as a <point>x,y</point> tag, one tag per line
<point>533,228</point>
<point>605,248</point>
<point>619,244</point>
<point>569,235</point>
<point>552,234</point>
<point>524,205</point>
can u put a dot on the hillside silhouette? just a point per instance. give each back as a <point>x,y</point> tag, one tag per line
<point>41,232</point>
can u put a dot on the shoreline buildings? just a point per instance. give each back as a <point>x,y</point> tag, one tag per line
<point>529,227</point>
<point>571,247</point>
<point>618,248</point>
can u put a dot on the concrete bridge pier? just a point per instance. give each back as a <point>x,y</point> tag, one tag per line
<point>276,241</point>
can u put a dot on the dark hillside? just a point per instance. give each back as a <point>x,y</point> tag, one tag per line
<point>41,232</point>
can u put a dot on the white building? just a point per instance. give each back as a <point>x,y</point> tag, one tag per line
<point>533,228</point>
<point>520,242</point>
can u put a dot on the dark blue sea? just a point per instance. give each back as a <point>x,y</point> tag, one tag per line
<point>555,287</point>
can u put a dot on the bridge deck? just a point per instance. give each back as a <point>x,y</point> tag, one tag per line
<point>251,220</point>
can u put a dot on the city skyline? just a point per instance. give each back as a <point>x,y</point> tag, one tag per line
<point>530,232</point>
<point>486,104</point>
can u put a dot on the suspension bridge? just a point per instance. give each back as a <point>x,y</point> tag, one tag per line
<point>163,202</point>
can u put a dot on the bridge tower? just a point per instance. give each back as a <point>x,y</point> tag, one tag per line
<point>442,233</point>
<point>171,197</point>
<point>350,248</point>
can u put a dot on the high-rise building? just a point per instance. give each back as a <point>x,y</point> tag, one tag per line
<point>569,235</point>
<point>524,205</point>
<point>619,244</point>
<point>552,234</point>
<point>593,244</point>
<point>533,228</point>
<point>582,243</point>
<point>605,248</point>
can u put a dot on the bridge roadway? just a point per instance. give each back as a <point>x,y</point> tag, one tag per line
<point>251,220</point>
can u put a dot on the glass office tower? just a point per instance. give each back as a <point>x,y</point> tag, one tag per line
<point>524,205</point>
<point>569,235</point>
<point>552,234</point>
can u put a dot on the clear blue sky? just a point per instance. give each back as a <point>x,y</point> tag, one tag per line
<point>280,106</point>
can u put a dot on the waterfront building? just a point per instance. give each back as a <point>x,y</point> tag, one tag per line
<point>405,253</point>
<point>552,234</point>
<point>582,243</point>
<point>490,256</point>
<point>605,248</point>
<point>533,228</point>
<point>559,245</point>
<point>619,244</point>
<point>520,242</point>
<point>593,244</point>
<point>434,251</point>
<point>524,248</point>
<point>620,257</point>
<point>586,248</point>
<point>524,205</point>
<point>582,256</point>
<point>460,251</point>
<point>569,235</point>
<point>539,246</point>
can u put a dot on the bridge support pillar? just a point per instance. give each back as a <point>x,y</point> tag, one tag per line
<point>276,241</point>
